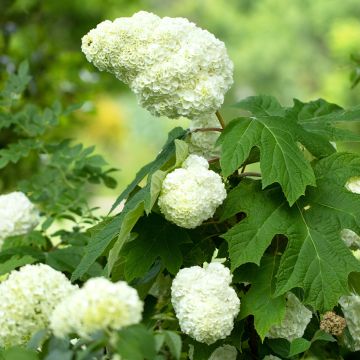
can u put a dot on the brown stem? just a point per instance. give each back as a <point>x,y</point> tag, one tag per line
<point>249,173</point>
<point>207,129</point>
<point>220,118</point>
<point>210,161</point>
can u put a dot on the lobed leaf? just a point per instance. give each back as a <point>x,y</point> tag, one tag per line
<point>316,258</point>
<point>260,301</point>
<point>156,238</point>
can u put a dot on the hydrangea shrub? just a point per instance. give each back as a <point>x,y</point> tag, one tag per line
<point>207,259</point>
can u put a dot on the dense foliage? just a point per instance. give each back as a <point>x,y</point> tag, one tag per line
<point>208,258</point>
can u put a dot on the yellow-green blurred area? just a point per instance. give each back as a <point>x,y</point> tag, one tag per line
<point>286,48</point>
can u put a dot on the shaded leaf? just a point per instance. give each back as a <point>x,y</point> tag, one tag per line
<point>156,238</point>
<point>260,301</point>
<point>136,343</point>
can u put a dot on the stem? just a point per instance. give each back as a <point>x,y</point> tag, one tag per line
<point>207,129</point>
<point>249,173</point>
<point>210,161</point>
<point>220,118</point>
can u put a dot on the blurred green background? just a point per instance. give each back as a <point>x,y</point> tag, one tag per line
<point>297,48</point>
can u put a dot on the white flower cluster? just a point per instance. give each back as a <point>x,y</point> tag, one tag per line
<point>297,317</point>
<point>17,215</point>
<point>191,194</point>
<point>353,185</point>
<point>226,352</point>
<point>356,253</point>
<point>350,306</point>
<point>203,142</point>
<point>174,68</point>
<point>350,238</point>
<point>204,302</point>
<point>27,298</point>
<point>98,305</point>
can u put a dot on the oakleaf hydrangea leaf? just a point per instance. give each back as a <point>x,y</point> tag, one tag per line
<point>316,258</point>
<point>276,140</point>
<point>259,300</point>
<point>156,238</point>
<point>320,117</point>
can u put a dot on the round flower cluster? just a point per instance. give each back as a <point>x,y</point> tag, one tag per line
<point>191,194</point>
<point>226,352</point>
<point>203,142</point>
<point>17,215</point>
<point>350,306</point>
<point>204,302</point>
<point>99,305</point>
<point>174,68</point>
<point>27,298</point>
<point>297,317</point>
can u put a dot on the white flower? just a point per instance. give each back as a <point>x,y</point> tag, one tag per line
<point>297,317</point>
<point>18,215</point>
<point>350,238</point>
<point>204,302</point>
<point>226,352</point>
<point>356,253</point>
<point>203,142</point>
<point>350,306</point>
<point>191,194</point>
<point>353,185</point>
<point>271,357</point>
<point>99,305</point>
<point>27,298</point>
<point>174,68</point>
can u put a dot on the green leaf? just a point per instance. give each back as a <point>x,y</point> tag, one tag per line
<point>181,152</point>
<point>128,223</point>
<point>156,238</point>
<point>155,180</point>
<point>15,85</point>
<point>173,342</point>
<point>68,258</point>
<point>59,354</point>
<point>136,343</point>
<point>265,210</point>
<point>316,258</point>
<point>202,351</point>
<point>320,117</point>
<point>119,225</point>
<point>164,156</point>
<point>16,151</point>
<point>17,353</point>
<point>298,346</point>
<point>261,105</point>
<point>287,349</point>
<point>321,335</point>
<point>37,340</point>
<point>260,301</point>
<point>15,262</point>
<point>276,140</point>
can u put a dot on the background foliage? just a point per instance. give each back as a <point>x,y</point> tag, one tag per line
<point>298,49</point>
